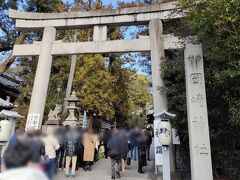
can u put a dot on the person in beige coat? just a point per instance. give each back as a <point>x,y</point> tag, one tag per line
<point>51,145</point>
<point>89,143</point>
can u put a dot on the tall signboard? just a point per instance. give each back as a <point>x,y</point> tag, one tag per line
<point>157,145</point>
<point>199,141</point>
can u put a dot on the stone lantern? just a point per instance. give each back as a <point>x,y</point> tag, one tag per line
<point>165,139</point>
<point>8,122</point>
<point>165,134</point>
<point>6,104</point>
<point>71,120</point>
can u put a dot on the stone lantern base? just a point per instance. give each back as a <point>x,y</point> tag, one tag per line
<point>70,123</point>
<point>52,122</point>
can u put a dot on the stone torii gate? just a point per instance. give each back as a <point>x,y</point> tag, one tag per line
<point>200,152</point>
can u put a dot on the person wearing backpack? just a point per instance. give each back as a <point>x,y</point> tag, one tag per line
<point>71,148</point>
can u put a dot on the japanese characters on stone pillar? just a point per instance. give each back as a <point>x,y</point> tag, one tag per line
<point>200,152</point>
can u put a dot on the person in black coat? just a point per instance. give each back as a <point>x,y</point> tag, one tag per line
<point>36,144</point>
<point>80,161</point>
<point>148,134</point>
<point>115,153</point>
<point>142,142</point>
<point>123,136</point>
<point>71,147</point>
<point>106,137</point>
<point>60,134</point>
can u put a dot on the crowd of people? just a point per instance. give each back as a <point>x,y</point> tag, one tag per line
<point>41,154</point>
<point>123,145</point>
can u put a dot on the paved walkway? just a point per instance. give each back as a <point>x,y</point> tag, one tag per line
<point>102,171</point>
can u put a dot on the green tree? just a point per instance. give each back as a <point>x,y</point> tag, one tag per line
<point>8,31</point>
<point>217,25</point>
<point>8,34</point>
<point>140,99</point>
<point>94,86</point>
<point>140,88</point>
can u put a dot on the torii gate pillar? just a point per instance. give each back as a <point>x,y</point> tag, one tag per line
<point>40,87</point>
<point>159,96</point>
<point>157,57</point>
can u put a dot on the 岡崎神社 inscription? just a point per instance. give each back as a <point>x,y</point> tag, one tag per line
<point>199,142</point>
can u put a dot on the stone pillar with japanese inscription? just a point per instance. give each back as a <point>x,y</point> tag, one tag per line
<point>199,141</point>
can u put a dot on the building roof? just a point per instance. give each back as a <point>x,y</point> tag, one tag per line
<point>6,103</point>
<point>7,113</point>
<point>9,82</point>
<point>9,86</point>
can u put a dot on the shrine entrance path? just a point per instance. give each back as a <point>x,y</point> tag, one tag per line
<point>102,171</point>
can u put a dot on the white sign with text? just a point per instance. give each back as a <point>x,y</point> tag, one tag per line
<point>157,145</point>
<point>33,121</point>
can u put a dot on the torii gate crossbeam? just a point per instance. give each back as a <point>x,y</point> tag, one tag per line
<point>200,152</point>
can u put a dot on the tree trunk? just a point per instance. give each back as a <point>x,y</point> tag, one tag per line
<point>71,75</point>
<point>70,80</point>
<point>10,59</point>
<point>7,63</point>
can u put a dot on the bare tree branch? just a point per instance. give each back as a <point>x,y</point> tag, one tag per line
<point>5,46</point>
<point>4,29</point>
<point>7,63</point>
<point>10,59</point>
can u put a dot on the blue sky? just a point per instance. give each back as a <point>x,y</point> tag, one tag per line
<point>107,2</point>
<point>114,2</point>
